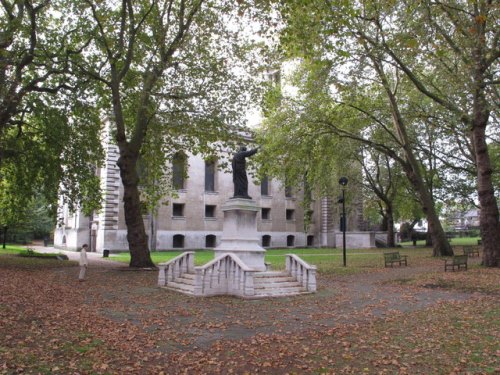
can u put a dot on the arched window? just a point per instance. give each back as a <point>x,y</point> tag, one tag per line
<point>266,240</point>
<point>210,241</point>
<point>290,240</point>
<point>178,241</point>
<point>179,170</point>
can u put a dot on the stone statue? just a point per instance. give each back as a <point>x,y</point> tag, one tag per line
<point>239,172</point>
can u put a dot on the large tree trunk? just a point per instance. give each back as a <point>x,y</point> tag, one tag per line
<point>389,222</point>
<point>488,219</point>
<point>136,233</point>
<point>411,166</point>
<point>489,215</point>
<point>440,244</point>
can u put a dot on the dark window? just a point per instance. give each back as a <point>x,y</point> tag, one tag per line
<point>310,240</point>
<point>290,214</point>
<point>290,240</point>
<point>178,241</point>
<point>264,186</point>
<point>210,175</point>
<point>178,209</point>
<point>210,240</point>
<point>266,214</point>
<point>209,211</point>
<point>266,240</point>
<point>178,171</point>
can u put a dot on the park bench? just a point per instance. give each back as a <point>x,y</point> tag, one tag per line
<point>471,251</point>
<point>457,261</point>
<point>394,257</point>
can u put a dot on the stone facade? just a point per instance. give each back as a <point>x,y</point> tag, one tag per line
<point>193,219</point>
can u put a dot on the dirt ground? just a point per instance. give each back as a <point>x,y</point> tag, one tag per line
<point>119,322</point>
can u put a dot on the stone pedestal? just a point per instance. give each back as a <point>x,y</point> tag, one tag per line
<point>239,233</point>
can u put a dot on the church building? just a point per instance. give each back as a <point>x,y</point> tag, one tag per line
<point>193,218</point>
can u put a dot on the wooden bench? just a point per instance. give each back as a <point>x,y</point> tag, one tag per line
<point>457,261</point>
<point>394,257</point>
<point>471,251</point>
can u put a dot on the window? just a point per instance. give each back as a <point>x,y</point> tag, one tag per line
<point>178,209</point>
<point>290,214</point>
<point>266,213</point>
<point>266,240</point>
<point>290,240</point>
<point>288,191</point>
<point>264,186</point>
<point>210,240</point>
<point>310,240</point>
<point>178,241</point>
<point>210,175</point>
<point>209,211</point>
<point>178,171</point>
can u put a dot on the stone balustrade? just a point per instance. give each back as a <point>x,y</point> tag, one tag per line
<point>175,268</point>
<point>226,274</point>
<point>302,271</point>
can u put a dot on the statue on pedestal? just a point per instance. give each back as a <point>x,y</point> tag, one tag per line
<point>240,179</point>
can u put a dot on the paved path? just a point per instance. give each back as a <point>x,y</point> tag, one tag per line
<point>95,259</point>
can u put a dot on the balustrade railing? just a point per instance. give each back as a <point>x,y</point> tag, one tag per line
<point>302,271</point>
<point>175,268</point>
<point>226,274</point>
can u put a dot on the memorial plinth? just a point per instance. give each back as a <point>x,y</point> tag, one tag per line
<point>239,233</point>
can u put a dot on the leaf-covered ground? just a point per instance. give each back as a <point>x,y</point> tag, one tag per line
<point>410,320</point>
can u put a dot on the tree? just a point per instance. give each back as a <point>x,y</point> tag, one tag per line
<point>456,42</point>
<point>33,59</point>
<point>169,74</point>
<point>382,181</point>
<point>459,40</point>
<point>43,147</point>
<point>366,111</point>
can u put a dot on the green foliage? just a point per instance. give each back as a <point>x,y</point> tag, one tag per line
<point>49,130</point>
<point>184,77</point>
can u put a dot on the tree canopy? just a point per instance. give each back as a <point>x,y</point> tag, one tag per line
<point>169,75</point>
<point>420,72</point>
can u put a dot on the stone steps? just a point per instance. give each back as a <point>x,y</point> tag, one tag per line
<point>180,287</point>
<point>266,284</point>
<point>276,284</point>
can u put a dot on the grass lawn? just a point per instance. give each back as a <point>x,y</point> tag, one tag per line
<point>12,249</point>
<point>458,241</point>
<point>327,260</point>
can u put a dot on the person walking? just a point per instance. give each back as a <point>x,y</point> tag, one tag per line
<point>84,262</point>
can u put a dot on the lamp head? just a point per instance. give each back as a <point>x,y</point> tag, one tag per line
<point>343,181</point>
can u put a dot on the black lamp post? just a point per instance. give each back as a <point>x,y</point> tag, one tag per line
<point>4,236</point>
<point>343,222</point>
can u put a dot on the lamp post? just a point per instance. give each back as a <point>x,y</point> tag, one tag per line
<point>343,222</point>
